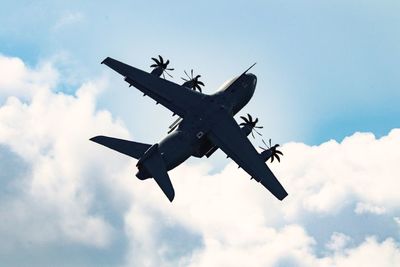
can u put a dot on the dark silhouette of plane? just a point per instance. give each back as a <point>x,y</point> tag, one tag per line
<point>205,124</point>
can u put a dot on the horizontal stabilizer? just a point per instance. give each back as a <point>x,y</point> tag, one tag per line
<point>130,148</point>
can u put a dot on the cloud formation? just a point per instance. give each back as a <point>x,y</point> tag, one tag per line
<point>19,80</point>
<point>59,188</point>
<point>49,133</point>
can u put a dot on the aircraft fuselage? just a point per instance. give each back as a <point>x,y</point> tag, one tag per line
<point>190,138</point>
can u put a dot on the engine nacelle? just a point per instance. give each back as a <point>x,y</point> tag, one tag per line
<point>266,154</point>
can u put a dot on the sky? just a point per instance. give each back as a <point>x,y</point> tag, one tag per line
<point>327,91</point>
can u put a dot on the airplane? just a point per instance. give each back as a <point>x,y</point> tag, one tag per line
<point>205,124</point>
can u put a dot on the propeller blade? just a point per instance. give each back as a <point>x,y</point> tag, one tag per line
<point>278,152</point>
<point>277,157</point>
<point>265,143</point>
<point>257,132</point>
<point>272,158</point>
<point>166,63</point>
<point>161,60</point>
<point>156,60</point>
<point>170,69</point>
<point>168,74</point>
<point>270,142</point>
<point>250,117</point>
<point>191,73</point>
<point>187,75</point>
<point>201,83</point>
<point>153,66</point>
<point>244,118</point>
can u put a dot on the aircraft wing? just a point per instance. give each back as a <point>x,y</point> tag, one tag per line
<point>227,135</point>
<point>175,97</point>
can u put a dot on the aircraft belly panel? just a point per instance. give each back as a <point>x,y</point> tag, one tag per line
<point>175,149</point>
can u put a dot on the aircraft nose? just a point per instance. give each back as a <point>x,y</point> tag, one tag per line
<point>252,79</point>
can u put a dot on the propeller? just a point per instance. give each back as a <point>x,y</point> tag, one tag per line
<point>160,67</point>
<point>192,82</point>
<point>274,152</point>
<point>249,122</point>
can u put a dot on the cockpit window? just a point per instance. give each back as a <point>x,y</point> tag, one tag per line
<point>226,84</point>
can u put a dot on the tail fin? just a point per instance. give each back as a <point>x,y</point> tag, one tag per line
<point>130,148</point>
<point>155,165</point>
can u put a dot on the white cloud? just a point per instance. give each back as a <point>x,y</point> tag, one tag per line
<point>19,80</point>
<point>362,208</point>
<point>50,133</point>
<point>268,249</point>
<point>370,253</point>
<point>235,216</point>
<point>328,177</point>
<point>338,241</point>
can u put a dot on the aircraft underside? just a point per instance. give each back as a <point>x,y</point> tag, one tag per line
<point>206,124</point>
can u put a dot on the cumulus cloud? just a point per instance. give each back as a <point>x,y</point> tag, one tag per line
<point>50,133</point>
<point>368,208</point>
<point>59,187</point>
<point>232,213</point>
<point>370,253</point>
<point>17,79</point>
<point>338,241</point>
<point>328,177</point>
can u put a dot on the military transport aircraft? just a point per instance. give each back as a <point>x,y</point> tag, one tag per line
<point>205,124</point>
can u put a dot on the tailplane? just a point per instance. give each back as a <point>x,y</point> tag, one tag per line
<point>130,148</point>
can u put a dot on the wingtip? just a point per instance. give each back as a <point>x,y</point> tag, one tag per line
<point>104,60</point>
<point>95,138</point>
<point>283,196</point>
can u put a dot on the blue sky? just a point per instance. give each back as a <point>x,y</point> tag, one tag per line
<point>326,70</point>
